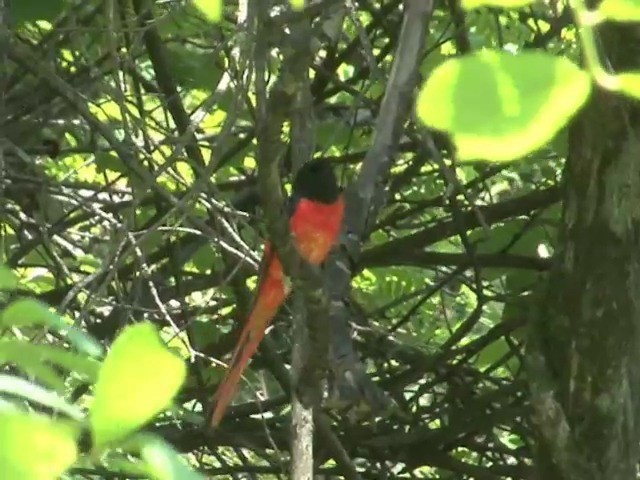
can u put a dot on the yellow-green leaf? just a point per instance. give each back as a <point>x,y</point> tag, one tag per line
<point>21,388</point>
<point>297,4</point>
<point>138,379</point>
<point>620,10</point>
<point>19,351</point>
<point>34,447</point>
<point>629,83</point>
<point>497,106</point>
<point>471,4</point>
<point>211,9</point>
<point>8,279</point>
<point>27,311</point>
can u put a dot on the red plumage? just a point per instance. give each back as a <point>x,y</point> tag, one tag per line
<point>318,209</point>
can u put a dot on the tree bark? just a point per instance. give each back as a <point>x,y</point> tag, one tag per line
<point>584,353</point>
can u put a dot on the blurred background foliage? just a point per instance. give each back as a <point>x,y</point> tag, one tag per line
<point>128,194</point>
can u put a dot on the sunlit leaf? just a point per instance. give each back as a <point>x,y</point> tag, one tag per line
<point>492,353</point>
<point>19,387</point>
<point>620,10</point>
<point>629,83</point>
<point>27,311</point>
<point>8,279</point>
<point>12,352</point>
<point>297,4</point>
<point>470,4</point>
<point>33,447</point>
<point>211,9</point>
<point>497,106</point>
<point>138,379</point>
<point>69,360</point>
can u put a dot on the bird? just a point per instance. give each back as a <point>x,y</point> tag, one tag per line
<point>316,210</point>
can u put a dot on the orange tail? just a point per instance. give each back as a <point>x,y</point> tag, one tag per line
<point>271,295</point>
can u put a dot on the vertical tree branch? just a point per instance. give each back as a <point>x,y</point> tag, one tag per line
<point>365,199</point>
<point>302,426</point>
<point>272,109</point>
<point>302,148</point>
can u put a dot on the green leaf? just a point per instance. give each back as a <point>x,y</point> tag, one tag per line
<point>629,83</point>
<point>186,65</point>
<point>471,4</point>
<point>497,106</point>
<point>108,161</point>
<point>17,353</point>
<point>138,379</point>
<point>620,10</point>
<point>33,447</point>
<point>27,311</point>
<point>211,9</point>
<point>492,353</point>
<point>204,335</point>
<point>8,279</point>
<point>31,10</point>
<point>19,387</point>
<point>163,462</point>
<point>205,258</point>
<point>20,351</point>
<point>82,341</point>
<point>516,234</point>
<point>297,4</point>
<point>517,281</point>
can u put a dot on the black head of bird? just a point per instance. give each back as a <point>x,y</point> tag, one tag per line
<point>316,181</point>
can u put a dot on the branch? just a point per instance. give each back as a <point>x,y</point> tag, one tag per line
<point>166,84</point>
<point>425,259</point>
<point>364,202</point>
<point>522,205</point>
<point>302,148</point>
<point>272,110</point>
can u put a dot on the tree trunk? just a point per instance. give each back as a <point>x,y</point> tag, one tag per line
<point>584,354</point>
